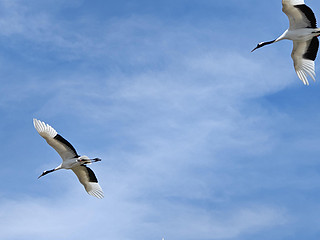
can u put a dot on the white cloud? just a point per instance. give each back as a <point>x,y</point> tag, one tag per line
<point>118,217</point>
<point>197,224</point>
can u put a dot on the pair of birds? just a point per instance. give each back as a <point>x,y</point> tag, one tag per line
<point>303,32</point>
<point>71,159</point>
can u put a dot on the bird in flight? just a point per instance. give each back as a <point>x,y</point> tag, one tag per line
<point>303,32</point>
<point>71,159</point>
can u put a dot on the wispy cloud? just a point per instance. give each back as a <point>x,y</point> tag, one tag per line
<point>35,218</point>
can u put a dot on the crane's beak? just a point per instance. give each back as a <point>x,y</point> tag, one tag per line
<point>42,175</point>
<point>46,172</point>
<point>255,48</point>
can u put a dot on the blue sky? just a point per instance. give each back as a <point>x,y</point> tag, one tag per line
<point>199,138</point>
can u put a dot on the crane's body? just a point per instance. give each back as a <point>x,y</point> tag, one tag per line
<point>71,159</point>
<point>303,32</point>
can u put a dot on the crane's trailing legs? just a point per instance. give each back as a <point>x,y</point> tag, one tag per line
<point>88,161</point>
<point>85,160</point>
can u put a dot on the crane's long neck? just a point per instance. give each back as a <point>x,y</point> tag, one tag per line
<point>267,43</point>
<point>50,171</point>
<point>284,35</point>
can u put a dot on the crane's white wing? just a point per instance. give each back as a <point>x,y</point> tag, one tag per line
<point>299,14</point>
<point>88,179</point>
<point>61,145</point>
<point>293,2</point>
<point>303,55</point>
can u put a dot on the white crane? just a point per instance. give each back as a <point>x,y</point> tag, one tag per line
<point>71,159</point>
<point>303,32</point>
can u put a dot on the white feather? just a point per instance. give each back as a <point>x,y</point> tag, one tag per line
<point>303,67</point>
<point>93,188</point>
<point>297,19</point>
<point>48,133</point>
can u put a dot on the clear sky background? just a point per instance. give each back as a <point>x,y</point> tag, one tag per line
<point>199,138</point>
